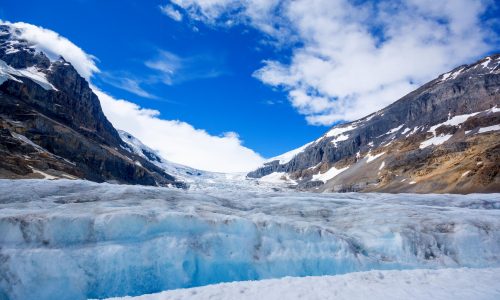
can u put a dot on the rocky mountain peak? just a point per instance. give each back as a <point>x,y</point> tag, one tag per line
<point>445,117</point>
<point>20,53</point>
<point>54,123</point>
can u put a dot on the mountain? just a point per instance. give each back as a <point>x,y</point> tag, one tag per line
<point>443,137</point>
<point>182,172</point>
<point>52,124</point>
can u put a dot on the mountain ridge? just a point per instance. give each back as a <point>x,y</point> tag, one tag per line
<point>52,124</point>
<point>465,90</point>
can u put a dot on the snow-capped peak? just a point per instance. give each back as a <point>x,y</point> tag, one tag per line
<point>135,146</point>
<point>288,156</point>
<point>35,74</point>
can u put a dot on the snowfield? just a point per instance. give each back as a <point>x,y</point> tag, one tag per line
<point>456,284</point>
<point>69,239</point>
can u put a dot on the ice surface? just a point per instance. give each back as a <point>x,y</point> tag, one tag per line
<point>75,239</point>
<point>450,284</point>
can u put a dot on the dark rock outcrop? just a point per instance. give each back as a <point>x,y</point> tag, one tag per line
<point>61,132</point>
<point>403,126</point>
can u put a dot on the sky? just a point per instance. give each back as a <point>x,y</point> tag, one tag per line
<point>221,85</point>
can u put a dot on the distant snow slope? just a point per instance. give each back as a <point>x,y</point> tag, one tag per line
<point>198,179</point>
<point>288,156</point>
<point>75,239</point>
<point>449,284</point>
<point>137,147</point>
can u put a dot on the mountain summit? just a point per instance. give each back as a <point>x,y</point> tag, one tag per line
<point>52,124</point>
<point>443,137</point>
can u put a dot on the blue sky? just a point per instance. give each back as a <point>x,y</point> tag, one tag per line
<point>125,34</point>
<point>267,76</point>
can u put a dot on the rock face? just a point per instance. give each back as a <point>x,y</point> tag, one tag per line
<point>442,137</point>
<point>52,124</point>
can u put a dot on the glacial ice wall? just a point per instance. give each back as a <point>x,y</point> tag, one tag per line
<point>77,240</point>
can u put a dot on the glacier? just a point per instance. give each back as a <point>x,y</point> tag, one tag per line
<point>73,239</point>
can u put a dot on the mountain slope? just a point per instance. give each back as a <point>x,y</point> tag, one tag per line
<point>442,137</point>
<point>182,172</point>
<point>52,124</point>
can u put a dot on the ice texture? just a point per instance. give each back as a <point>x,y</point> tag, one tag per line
<point>76,239</point>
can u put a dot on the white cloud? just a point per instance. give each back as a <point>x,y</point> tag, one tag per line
<point>177,141</point>
<point>172,69</point>
<point>171,12</point>
<point>168,65</point>
<point>353,59</point>
<point>54,45</point>
<point>165,68</point>
<point>205,10</point>
<point>126,82</point>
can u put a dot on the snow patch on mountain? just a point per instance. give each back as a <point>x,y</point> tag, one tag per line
<point>288,156</point>
<point>395,129</point>
<point>489,128</point>
<point>337,130</point>
<point>7,72</point>
<point>454,121</point>
<point>452,75</point>
<point>277,177</point>
<point>330,174</point>
<point>339,138</point>
<point>436,140</point>
<point>370,158</point>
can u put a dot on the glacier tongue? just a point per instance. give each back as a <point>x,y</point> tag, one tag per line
<point>75,239</point>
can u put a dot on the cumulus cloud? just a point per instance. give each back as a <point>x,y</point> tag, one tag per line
<point>54,45</point>
<point>351,58</point>
<point>171,12</point>
<point>177,141</point>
